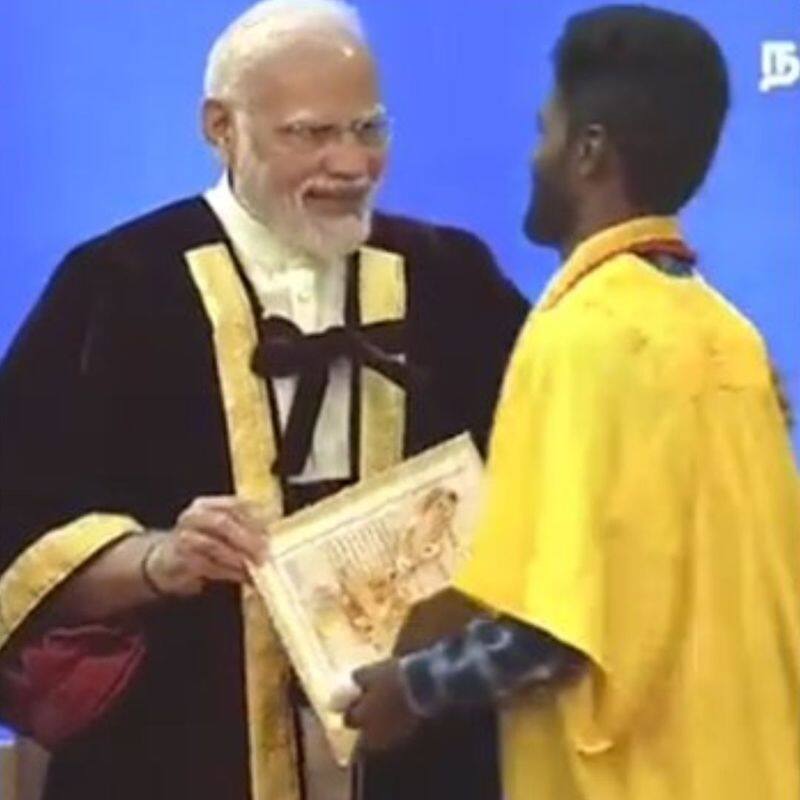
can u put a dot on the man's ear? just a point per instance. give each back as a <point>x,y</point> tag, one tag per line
<point>593,151</point>
<point>218,127</point>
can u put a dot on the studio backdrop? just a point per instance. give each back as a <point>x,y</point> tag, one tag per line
<point>100,122</point>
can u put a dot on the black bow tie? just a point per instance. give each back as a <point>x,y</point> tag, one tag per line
<point>283,350</point>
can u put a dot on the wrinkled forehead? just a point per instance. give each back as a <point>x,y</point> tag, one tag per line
<point>318,76</point>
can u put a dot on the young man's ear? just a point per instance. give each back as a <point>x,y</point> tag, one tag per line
<point>593,150</point>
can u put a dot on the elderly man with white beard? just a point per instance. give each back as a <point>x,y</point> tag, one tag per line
<point>262,345</point>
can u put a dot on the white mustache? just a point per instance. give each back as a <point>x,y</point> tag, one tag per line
<point>337,186</point>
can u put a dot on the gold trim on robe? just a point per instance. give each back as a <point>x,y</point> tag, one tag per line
<point>383,297</point>
<point>251,443</point>
<point>49,561</point>
<point>252,446</point>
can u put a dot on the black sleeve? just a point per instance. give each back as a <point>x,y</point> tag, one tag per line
<point>47,432</point>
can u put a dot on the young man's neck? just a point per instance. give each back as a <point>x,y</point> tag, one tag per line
<point>592,224</point>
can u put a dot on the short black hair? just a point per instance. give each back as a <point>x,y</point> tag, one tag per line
<point>658,83</point>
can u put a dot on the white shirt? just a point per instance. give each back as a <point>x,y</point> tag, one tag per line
<point>310,294</point>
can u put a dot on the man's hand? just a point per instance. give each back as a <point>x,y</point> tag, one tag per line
<point>213,540</point>
<point>381,712</point>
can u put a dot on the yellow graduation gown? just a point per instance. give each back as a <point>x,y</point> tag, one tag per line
<point>643,506</point>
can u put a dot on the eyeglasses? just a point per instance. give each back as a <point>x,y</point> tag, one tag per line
<point>373,132</point>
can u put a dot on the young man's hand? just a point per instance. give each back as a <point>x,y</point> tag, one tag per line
<point>381,713</point>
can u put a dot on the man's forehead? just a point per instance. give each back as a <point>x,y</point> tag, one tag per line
<point>312,58</point>
<point>308,73</point>
<point>312,46</point>
<point>551,109</point>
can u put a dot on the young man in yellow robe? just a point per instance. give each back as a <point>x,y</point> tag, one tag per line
<point>639,550</point>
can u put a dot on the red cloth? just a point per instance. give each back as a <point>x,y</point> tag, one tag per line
<point>69,679</point>
<point>669,247</point>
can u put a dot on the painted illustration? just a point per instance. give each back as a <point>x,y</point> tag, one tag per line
<point>357,593</point>
<point>342,576</point>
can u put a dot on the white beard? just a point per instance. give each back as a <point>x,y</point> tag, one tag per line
<point>321,237</point>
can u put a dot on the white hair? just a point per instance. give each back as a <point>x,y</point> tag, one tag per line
<point>266,27</point>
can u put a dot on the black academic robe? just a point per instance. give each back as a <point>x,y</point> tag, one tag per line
<point>110,401</point>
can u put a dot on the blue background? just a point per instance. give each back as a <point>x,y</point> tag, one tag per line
<point>100,107</point>
<point>101,103</point>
